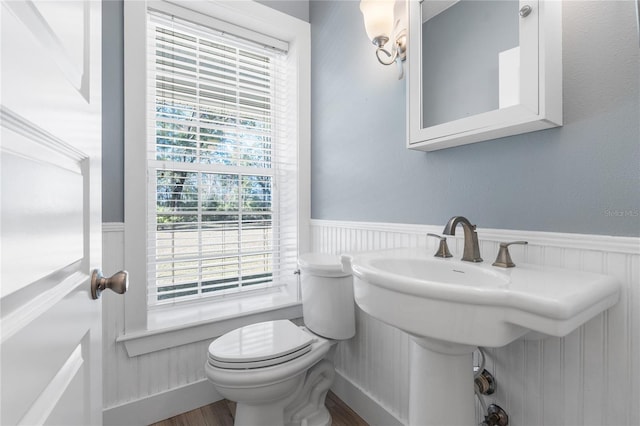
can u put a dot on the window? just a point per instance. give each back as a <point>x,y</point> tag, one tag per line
<point>218,165</point>
<point>224,111</point>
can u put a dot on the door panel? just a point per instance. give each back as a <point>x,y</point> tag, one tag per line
<point>50,212</point>
<point>42,182</point>
<point>53,353</point>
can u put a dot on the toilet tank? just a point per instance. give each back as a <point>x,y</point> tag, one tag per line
<point>328,306</point>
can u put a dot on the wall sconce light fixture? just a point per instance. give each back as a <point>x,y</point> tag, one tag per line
<point>386,21</point>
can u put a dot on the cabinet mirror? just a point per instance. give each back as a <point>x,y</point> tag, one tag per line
<point>482,69</point>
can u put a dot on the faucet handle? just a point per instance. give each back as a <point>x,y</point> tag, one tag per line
<point>504,258</point>
<point>443,249</point>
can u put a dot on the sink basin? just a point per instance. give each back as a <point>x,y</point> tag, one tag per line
<point>449,307</point>
<point>475,303</point>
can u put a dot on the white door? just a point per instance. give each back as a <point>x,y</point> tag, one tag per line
<point>50,99</point>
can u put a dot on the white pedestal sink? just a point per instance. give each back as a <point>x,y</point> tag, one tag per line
<point>450,307</point>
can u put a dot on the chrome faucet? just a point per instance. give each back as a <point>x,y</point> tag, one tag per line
<point>471,248</point>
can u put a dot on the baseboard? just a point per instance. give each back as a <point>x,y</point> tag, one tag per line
<point>161,406</point>
<point>360,402</point>
<point>164,405</point>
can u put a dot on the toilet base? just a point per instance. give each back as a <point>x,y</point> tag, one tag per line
<point>304,407</point>
<point>308,408</point>
<point>252,415</point>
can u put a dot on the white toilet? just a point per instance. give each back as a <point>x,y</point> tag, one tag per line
<point>277,372</point>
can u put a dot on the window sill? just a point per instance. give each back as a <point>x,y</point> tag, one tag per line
<point>206,321</point>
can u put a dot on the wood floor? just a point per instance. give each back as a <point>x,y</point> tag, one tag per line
<point>221,414</point>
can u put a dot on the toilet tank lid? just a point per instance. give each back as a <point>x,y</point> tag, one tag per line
<point>322,264</point>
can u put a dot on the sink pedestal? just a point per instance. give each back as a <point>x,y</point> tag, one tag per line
<point>441,383</point>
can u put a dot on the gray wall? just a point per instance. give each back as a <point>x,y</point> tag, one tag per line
<point>296,8</point>
<point>580,178</point>
<point>113,99</point>
<point>112,111</point>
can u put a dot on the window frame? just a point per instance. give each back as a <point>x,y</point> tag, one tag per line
<point>260,18</point>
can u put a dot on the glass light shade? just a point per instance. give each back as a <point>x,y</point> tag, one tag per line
<point>378,17</point>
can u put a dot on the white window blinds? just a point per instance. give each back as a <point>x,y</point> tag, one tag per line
<point>222,167</point>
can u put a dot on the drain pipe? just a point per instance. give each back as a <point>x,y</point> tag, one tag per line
<point>485,384</point>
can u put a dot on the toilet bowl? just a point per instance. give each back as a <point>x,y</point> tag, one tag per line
<point>277,372</point>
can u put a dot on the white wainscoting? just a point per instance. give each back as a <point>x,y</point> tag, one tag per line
<point>151,387</point>
<point>590,377</point>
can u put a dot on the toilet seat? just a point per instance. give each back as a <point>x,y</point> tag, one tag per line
<point>260,345</point>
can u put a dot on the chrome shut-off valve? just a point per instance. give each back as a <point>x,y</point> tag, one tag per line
<point>484,383</point>
<point>496,416</point>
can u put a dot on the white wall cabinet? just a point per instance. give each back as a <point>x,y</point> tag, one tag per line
<point>527,98</point>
